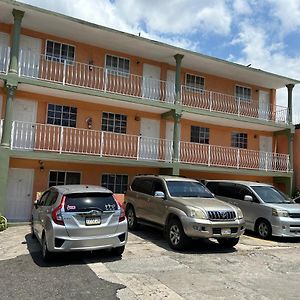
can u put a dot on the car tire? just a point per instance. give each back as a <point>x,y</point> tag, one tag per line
<point>228,242</point>
<point>176,237</point>
<point>118,251</point>
<point>263,229</point>
<point>131,218</point>
<point>46,254</point>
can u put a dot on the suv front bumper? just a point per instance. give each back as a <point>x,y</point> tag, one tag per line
<point>201,228</point>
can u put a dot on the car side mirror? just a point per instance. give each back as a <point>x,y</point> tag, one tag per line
<point>159,194</point>
<point>36,203</point>
<point>248,198</point>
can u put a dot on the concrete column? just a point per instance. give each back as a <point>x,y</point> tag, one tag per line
<point>176,136</point>
<point>290,102</point>
<point>4,163</point>
<point>178,58</point>
<point>7,125</point>
<point>15,46</point>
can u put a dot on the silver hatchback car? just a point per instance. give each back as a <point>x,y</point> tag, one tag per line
<point>266,210</point>
<point>79,218</point>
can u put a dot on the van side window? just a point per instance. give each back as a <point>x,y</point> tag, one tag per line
<point>158,186</point>
<point>227,190</point>
<point>242,191</point>
<point>142,185</point>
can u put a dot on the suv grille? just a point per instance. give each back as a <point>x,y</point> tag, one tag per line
<point>294,215</point>
<point>221,215</point>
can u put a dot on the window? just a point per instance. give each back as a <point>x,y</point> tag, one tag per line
<point>117,65</point>
<point>142,185</point>
<point>59,52</point>
<point>199,135</point>
<point>115,182</point>
<point>114,122</point>
<point>194,81</point>
<point>61,178</point>
<point>43,199</point>
<point>243,93</point>
<point>51,198</point>
<point>239,140</point>
<point>62,115</point>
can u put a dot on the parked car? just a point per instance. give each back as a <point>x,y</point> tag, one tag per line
<point>78,218</point>
<point>184,208</point>
<point>267,211</point>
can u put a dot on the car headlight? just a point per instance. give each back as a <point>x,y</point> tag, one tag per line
<point>196,213</point>
<point>239,213</point>
<point>279,213</point>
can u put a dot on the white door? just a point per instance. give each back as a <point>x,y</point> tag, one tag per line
<point>170,86</point>
<point>265,156</point>
<point>151,82</point>
<point>169,141</point>
<point>264,105</point>
<point>19,194</point>
<point>24,113</point>
<point>30,54</point>
<point>149,139</point>
<point>4,52</point>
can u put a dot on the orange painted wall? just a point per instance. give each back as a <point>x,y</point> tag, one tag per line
<point>90,173</point>
<point>206,175</point>
<point>297,158</point>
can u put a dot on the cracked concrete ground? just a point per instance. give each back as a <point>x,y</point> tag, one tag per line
<point>255,269</point>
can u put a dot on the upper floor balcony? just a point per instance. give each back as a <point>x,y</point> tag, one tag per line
<point>79,141</point>
<point>89,76</point>
<point>4,59</point>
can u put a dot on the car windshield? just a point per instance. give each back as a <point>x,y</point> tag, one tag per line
<point>271,195</point>
<point>188,189</point>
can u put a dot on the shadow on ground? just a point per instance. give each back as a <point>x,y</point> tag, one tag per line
<point>201,246</point>
<point>68,258</point>
<point>285,240</point>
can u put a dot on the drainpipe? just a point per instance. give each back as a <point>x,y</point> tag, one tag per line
<point>12,79</point>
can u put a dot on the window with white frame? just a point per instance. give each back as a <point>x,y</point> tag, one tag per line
<point>117,183</point>
<point>239,140</point>
<point>243,93</point>
<point>199,135</point>
<point>117,65</point>
<point>61,115</point>
<point>60,52</point>
<point>193,81</point>
<point>62,178</point>
<point>114,122</point>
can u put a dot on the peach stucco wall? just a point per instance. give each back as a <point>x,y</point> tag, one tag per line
<point>297,158</point>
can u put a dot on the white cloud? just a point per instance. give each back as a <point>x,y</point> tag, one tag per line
<point>258,50</point>
<point>242,7</point>
<point>288,13</point>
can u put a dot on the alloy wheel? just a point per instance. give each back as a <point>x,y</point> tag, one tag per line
<point>174,234</point>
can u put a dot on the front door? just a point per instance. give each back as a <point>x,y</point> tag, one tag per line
<point>151,82</point>
<point>4,52</point>
<point>19,194</point>
<point>30,54</point>
<point>264,105</point>
<point>265,154</point>
<point>169,141</point>
<point>24,111</point>
<point>170,86</point>
<point>149,139</point>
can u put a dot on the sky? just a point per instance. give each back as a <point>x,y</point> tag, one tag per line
<point>263,33</point>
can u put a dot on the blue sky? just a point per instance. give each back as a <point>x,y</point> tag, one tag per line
<point>263,33</point>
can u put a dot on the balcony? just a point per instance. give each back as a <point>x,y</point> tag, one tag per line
<point>97,78</point>
<point>59,139</point>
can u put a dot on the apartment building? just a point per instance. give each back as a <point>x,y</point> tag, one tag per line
<point>81,103</point>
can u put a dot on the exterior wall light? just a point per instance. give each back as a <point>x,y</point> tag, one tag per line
<point>42,167</point>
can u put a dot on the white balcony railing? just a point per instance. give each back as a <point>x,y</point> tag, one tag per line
<point>90,76</point>
<point>230,157</point>
<point>52,138</point>
<point>59,139</point>
<point>229,104</point>
<point>4,59</point>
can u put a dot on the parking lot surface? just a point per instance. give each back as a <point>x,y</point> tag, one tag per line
<point>148,269</point>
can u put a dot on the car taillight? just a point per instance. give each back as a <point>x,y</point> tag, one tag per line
<point>122,216</point>
<point>57,214</point>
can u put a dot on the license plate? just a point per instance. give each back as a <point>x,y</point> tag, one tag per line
<point>92,221</point>
<point>225,231</point>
